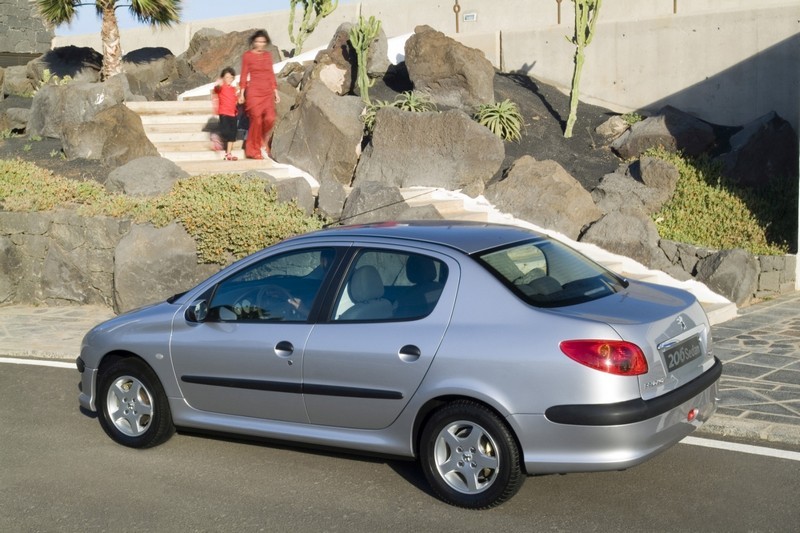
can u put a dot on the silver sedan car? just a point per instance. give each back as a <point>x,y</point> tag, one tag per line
<point>487,352</point>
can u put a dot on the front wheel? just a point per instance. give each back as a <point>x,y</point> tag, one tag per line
<point>470,457</point>
<point>133,406</point>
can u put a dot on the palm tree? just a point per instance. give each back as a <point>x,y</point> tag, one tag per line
<point>153,12</point>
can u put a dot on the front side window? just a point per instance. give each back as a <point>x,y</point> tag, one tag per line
<point>547,273</point>
<point>278,288</point>
<point>390,285</point>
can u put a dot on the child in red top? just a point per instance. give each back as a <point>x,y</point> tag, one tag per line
<point>225,98</point>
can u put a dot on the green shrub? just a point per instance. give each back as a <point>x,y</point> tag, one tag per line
<point>502,118</point>
<point>227,215</point>
<point>632,118</point>
<point>369,114</point>
<point>414,101</point>
<point>407,101</point>
<point>708,210</point>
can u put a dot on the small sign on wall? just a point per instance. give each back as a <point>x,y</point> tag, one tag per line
<point>470,17</point>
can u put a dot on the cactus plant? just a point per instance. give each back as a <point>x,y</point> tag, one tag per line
<point>361,37</point>
<point>319,9</point>
<point>586,12</point>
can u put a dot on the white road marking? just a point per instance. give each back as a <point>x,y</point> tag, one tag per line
<point>743,448</point>
<point>37,362</point>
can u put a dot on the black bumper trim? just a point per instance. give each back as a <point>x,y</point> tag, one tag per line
<point>630,412</point>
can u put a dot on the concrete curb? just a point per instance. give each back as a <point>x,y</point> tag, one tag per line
<point>728,426</point>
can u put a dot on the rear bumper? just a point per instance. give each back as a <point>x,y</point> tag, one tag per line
<point>633,411</point>
<point>628,436</point>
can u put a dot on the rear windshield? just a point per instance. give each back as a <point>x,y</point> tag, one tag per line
<point>547,273</point>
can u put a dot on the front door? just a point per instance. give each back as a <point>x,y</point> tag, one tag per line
<point>246,357</point>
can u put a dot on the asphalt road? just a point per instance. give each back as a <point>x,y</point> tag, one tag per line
<point>60,472</point>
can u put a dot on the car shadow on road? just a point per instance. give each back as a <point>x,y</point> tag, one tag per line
<point>408,469</point>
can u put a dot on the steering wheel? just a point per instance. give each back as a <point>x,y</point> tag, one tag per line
<point>273,301</point>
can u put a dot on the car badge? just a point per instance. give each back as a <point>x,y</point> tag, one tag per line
<point>681,323</point>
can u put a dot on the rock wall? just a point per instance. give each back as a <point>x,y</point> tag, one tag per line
<point>23,31</point>
<point>61,258</point>
<point>772,274</point>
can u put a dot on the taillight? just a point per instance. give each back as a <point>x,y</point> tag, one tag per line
<point>615,357</point>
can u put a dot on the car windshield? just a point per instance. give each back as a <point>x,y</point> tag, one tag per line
<point>546,273</point>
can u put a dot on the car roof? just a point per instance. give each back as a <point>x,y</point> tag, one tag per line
<point>468,237</point>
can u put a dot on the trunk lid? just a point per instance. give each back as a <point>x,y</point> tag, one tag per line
<point>668,324</point>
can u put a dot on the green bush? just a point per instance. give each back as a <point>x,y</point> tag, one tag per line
<point>369,114</point>
<point>414,101</point>
<point>502,118</point>
<point>708,210</point>
<point>632,118</point>
<point>227,215</point>
<point>407,101</point>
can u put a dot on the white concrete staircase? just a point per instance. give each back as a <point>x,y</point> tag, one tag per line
<point>181,133</point>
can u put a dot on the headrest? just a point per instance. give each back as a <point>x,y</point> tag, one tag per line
<point>366,284</point>
<point>420,269</point>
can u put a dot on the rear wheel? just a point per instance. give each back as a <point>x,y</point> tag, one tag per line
<point>470,457</point>
<point>133,406</point>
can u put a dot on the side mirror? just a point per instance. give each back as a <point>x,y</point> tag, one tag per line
<point>198,311</point>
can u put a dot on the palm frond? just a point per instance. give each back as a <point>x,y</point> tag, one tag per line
<point>57,11</point>
<point>156,12</point>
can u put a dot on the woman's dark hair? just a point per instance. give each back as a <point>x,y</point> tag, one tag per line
<point>227,70</point>
<point>260,33</point>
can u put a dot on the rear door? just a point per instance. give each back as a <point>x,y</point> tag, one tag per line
<point>363,364</point>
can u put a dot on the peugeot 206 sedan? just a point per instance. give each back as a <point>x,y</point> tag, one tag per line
<point>486,352</point>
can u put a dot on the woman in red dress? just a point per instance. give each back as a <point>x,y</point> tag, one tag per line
<point>259,94</point>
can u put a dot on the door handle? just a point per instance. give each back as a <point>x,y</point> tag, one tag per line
<point>409,353</point>
<point>284,349</point>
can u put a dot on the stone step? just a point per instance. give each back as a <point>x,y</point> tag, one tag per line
<point>199,118</point>
<point>179,137</point>
<point>190,107</point>
<point>199,127</point>
<point>200,155</point>
<point>719,312</point>
<point>269,166</point>
<point>449,208</point>
<point>190,146</point>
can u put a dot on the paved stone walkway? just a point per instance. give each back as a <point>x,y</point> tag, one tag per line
<point>760,387</point>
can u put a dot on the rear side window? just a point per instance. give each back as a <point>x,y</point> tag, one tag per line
<point>386,285</point>
<point>547,273</point>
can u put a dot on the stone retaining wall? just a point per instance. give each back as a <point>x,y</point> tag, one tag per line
<point>776,273</point>
<point>61,258</point>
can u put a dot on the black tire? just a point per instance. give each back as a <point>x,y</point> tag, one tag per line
<point>133,408</point>
<point>470,457</point>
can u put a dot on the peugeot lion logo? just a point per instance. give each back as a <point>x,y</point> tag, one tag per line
<point>681,323</point>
